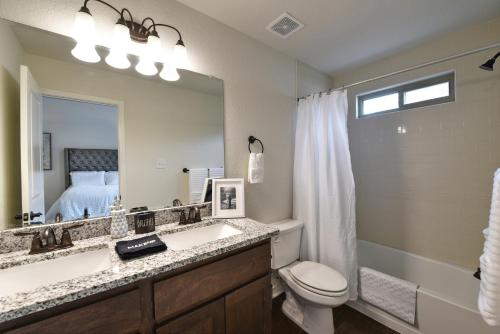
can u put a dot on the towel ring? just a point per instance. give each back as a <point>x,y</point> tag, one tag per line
<point>252,140</point>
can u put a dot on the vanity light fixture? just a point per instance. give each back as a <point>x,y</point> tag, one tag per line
<point>125,32</point>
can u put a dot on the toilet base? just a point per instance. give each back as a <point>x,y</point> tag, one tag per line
<point>313,320</point>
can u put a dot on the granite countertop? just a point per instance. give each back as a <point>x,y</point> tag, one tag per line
<point>122,272</point>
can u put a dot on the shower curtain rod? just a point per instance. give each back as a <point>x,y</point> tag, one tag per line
<point>408,69</point>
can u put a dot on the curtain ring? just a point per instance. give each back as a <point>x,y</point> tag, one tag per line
<point>252,140</point>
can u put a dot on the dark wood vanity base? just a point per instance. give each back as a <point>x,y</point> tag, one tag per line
<point>230,293</point>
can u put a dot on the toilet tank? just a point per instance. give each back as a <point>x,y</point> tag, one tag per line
<point>285,247</point>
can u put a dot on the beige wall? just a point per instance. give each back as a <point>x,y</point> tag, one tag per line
<point>11,55</point>
<point>260,86</point>
<point>183,126</point>
<point>311,81</point>
<point>428,191</point>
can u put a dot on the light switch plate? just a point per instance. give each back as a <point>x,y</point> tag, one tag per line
<point>161,163</point>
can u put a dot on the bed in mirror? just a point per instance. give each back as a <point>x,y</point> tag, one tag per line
<point>89,134</point>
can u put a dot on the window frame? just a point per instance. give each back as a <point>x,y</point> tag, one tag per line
<point>448,77</point>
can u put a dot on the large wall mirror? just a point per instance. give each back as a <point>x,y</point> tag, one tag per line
<point>89,133</point>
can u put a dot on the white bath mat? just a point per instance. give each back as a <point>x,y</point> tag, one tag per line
<point>391,294</point>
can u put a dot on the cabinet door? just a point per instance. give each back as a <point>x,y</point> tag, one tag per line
<point>208,319</point>
<point>176,295</point>
<point>117,315</point>
<point>248,309</point>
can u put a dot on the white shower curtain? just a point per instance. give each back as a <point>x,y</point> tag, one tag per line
<point>323,193</point>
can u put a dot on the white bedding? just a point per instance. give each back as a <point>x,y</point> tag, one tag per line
<point>74,200</point>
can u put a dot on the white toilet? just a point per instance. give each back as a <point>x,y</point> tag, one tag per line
<point>312,289</point>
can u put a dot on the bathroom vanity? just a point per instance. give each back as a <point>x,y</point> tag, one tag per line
<point>217,286</point>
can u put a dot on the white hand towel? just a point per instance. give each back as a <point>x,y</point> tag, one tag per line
<point>197,178</point>
<point>256,168</point>
<point>393,295</point>
<point>489,292</point>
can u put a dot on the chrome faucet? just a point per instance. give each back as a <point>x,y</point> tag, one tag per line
<point>46,240</point>
<point>194,215</point>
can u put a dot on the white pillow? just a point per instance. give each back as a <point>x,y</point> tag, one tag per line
<point>112,178</point>
<point>87,179</point>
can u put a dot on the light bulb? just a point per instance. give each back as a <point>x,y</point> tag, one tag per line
<point>117,57</point>
<point>83,32</point>
<point>169,73</point>
<point>149,53</point>
<point>180,55</point>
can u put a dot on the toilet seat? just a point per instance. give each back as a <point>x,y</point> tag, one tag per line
<point>318,278</point>
<point>308,294</point>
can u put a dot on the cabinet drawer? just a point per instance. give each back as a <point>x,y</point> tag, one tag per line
<point>120,314</point>
<point>208,319</point>
<point>175,295</point>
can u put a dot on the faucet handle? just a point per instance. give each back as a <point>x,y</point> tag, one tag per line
<point>50,238</point>
<point>197,214</point>
<point>194,215</point>
<point>36,242</point>
<point>66,236</point>
<point>182,216</point>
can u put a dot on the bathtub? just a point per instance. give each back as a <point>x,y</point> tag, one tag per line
<point>446,297</point>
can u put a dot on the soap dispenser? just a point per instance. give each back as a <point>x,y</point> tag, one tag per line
<point>119,225</point>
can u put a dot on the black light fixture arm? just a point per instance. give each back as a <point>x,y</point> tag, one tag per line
<point>496,56</point>
<point>125,10</point>
<point>85,8</point>
<point>138,31</point>
<point>153,26</point>
<point>143,23</point>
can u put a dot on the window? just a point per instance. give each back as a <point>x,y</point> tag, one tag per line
<point>421,93</point>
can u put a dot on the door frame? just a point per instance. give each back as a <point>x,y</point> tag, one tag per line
<point>26,143</point>
<point>121,126</point>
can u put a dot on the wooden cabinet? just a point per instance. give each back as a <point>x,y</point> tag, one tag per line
<point>177,294</point>
<point>120,314</point>
<point>227,294</point>
<point>248,309</point>
<point>208,319</point>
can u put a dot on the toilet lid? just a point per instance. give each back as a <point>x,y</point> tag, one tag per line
<point>318,277</point>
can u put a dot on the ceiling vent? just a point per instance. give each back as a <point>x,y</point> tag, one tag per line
<point>285,25</point>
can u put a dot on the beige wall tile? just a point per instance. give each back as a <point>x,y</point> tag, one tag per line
<point>428,191</point>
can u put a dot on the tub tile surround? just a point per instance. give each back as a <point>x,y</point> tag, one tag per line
<point>122,272</point>
<point>95,227</point>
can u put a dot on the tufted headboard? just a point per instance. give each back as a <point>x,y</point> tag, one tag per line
<point>88,160</point>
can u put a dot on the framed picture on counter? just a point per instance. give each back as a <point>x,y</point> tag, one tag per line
<point>228,198</point>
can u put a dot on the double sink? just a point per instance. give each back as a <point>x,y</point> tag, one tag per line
<point>32,276</point>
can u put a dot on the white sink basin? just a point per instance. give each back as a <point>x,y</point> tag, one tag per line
<point>198,236</point>
<point>30,276</point>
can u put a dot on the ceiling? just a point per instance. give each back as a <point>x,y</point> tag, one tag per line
<point>341,34</point>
